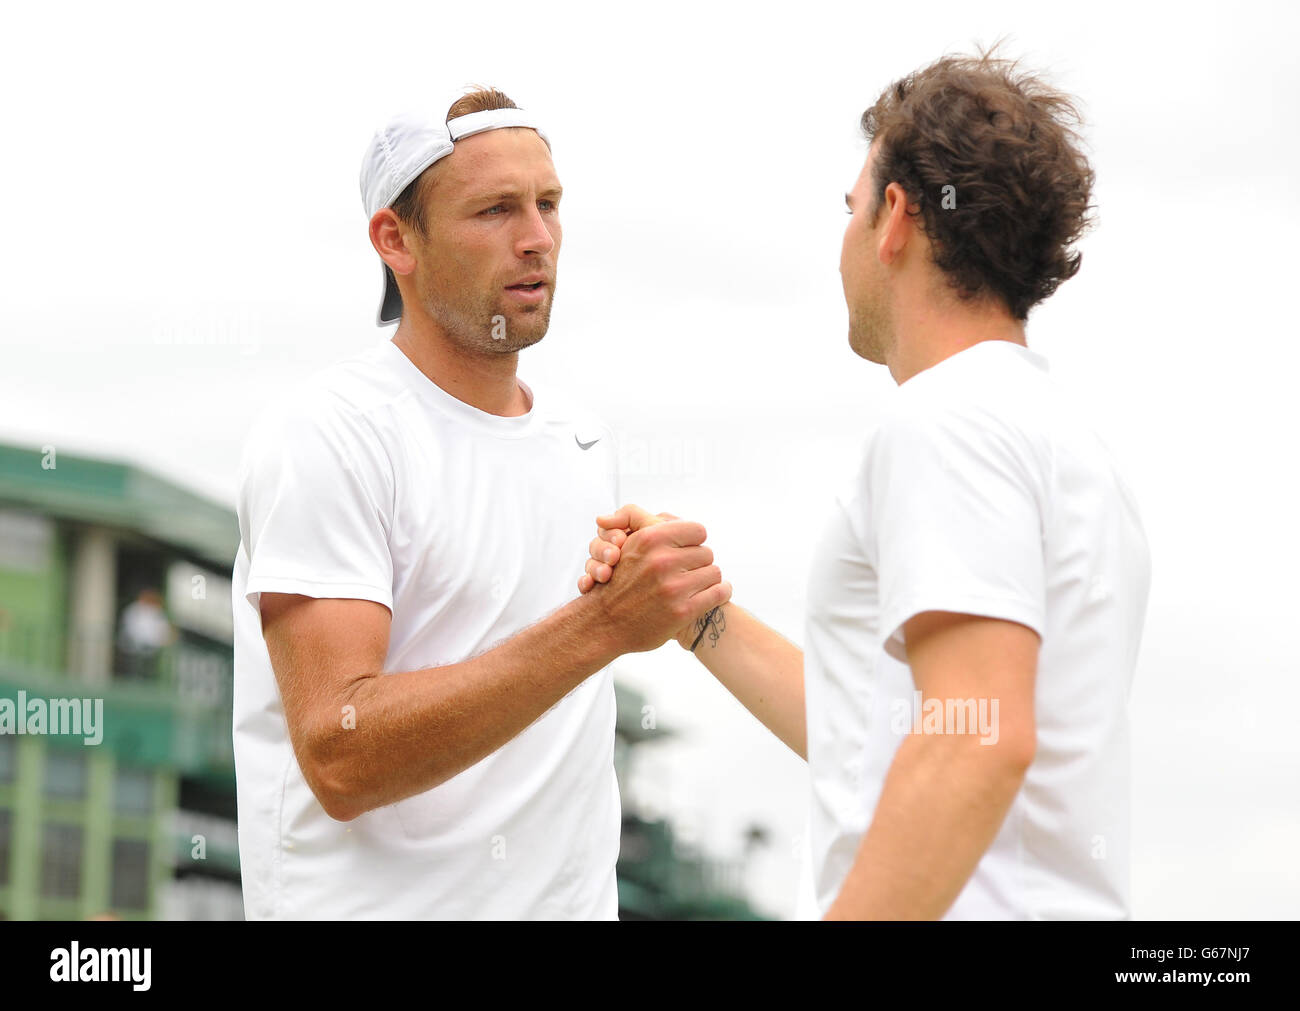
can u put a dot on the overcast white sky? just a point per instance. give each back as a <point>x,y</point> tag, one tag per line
<point>184,237</point>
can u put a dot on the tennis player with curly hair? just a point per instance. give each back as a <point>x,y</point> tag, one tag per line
<point>976,599</point>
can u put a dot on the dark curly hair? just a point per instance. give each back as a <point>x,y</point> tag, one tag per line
<point>991,156</point>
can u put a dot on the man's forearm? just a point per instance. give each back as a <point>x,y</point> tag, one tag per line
<point>943,801</point>
<point>411,731</point>
<point>760,667</point>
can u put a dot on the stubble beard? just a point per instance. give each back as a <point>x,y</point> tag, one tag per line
<point>483,324</point>
<point>871,329</point>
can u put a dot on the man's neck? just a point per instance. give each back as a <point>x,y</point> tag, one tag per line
<point>925,334</point>
<point>485,381</point>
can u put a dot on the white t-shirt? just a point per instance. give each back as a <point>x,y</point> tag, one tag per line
<point>371,482</point>
<point>984,492</point>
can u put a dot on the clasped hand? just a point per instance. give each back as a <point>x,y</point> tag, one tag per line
<point>667,581</point>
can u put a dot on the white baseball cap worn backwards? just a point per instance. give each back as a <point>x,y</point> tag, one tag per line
<point>406,146</point>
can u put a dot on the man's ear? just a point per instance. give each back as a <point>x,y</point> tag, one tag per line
<point>388,235</point>
<point>897,227</point>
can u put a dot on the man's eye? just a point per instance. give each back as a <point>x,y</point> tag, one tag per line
<point>547,205</point>
<point>494,207</point>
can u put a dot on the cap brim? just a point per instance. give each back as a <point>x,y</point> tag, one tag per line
<point>390,306</point>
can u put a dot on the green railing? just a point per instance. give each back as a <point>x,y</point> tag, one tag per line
<point>173,709</point>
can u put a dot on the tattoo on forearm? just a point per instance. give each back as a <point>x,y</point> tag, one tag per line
<point>713,624</point>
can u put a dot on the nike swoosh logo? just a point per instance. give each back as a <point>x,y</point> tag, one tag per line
<point>584,445</point>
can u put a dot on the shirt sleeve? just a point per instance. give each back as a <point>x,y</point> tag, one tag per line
<point>315,504</point>
<point>955,500</point>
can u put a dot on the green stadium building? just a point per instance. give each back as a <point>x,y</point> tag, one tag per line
<point>139,824</point>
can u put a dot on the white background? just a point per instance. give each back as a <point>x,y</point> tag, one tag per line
<point>183,236</point>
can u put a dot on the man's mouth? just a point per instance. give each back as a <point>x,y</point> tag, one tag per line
<point>529,292</point>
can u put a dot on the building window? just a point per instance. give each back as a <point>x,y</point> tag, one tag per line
<point>130,874</point>
<point>6,822</point>
<point>65,775</point>
<point>8,758</point>
<point>133,790</point>
<point>61,862</point>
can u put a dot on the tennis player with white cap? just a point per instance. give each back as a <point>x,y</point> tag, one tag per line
<point>423,720</point>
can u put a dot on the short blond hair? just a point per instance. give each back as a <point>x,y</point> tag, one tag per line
<point>410,203</point>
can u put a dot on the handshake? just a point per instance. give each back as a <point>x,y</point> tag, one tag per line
<point>667,586</point>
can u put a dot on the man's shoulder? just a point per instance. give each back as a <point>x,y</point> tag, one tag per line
<point>333,406</point>
<point>992,389</point>
<point>967,413</point>
<point>999,407</point>
<point>561,408</point>
<point>349,388</point>
<point>962,427</point>
<point>359,383</point>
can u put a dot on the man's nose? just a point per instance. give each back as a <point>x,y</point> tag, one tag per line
<point>536,236</point>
